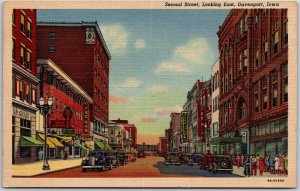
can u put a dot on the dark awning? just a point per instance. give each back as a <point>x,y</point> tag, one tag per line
<point>226,140</point>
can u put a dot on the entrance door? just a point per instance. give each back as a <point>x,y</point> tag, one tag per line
<point>13,149</point>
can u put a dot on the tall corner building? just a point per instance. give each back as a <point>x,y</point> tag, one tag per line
<point>81,52</point>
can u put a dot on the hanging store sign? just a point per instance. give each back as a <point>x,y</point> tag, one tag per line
<point>85,119</point>
<point>58,124</point>
<point>69,131</point>
<point>244,137</point>
<point>183,126</point>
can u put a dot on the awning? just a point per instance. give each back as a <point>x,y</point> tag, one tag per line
<point>226,140</point>
<point>89,145</point>
<point>107,147</point>
<point>66,139</point>
<point>81,146</point>
<point>55,142</point>
<point>30,142</point>
<point>100,145</point>
<point>49,143</point>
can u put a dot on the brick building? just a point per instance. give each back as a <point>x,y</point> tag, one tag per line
<point>253,45</point>
<point>70,115</point>
<point>131,129</point>
<point>162,145</point>
<point>204,117</point>
<point>175,126</point>
<point>79,49</point>
<point>24,86</point>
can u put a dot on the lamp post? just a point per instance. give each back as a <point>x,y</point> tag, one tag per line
<point>46,108</point>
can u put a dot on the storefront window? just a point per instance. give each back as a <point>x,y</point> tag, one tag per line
<point>267,125</point>
<point>283,146</point>
<point>238,148</point>
<point>271,148</point>
<point>276,126</point>
<point>272,127</point>
<point>263,129</point>
<point>252,131</point>
<point>282,125</point>
<point>252,148</point>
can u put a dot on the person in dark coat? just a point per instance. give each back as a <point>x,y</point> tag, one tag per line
<point>247,166</point>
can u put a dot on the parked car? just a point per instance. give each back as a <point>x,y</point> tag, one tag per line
<point>97,160</point>
<point>172,158</point>
<point>115,159</point>
<point>188,159</point>
<point>131,156</point>
<point>121,155</point>
<point>197,158</point>
<point>220,163</point>
<point>141,154</point>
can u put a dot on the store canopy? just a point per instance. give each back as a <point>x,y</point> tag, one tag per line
<point>50,144</point>
<point>100,145</point>
<point>226,140</point>
<point>107,147</point>
<point>55,142</point>
<point>30,142</point>
<point>66,139</point>
<point>89,145</point>
<point>81,146</point>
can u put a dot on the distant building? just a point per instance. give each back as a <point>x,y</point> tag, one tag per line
<point>214,128</point>
<point>175,126</point>
<point>162,145</point>
<point>80,51</point>
<point>118,137</point>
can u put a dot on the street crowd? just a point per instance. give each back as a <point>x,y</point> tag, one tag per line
<point>277,164</point>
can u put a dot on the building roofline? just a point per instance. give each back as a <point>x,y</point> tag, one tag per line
<point>60,72</point>
<point>79,24</point>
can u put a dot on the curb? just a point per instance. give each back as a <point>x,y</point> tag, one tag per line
<point>42,173</point>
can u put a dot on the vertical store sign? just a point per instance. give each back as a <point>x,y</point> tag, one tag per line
<point>85,119</point>
<point>183,126</point>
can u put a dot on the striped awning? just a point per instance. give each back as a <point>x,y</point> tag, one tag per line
<point>49,143</point>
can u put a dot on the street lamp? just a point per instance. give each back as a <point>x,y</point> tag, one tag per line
<point>46,108</point>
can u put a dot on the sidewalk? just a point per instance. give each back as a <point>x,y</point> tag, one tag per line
<point>240,172</point>
<point>32,169</point>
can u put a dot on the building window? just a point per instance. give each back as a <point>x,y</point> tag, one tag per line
<point>28,60</point>
<point>242,109</point>
<point>13,87</point>
<point>22,26</point>
<point>286,32</point>
<point>22,56</point>
<point>21,90</point>
<point>29,29</point>
<point>285,82</point>
<point>241,27</point>
<point>26,93</point>
<point>14,49</point>
<point>255,90</point>
<point>33,96</point>
<point>256,20</point>
<point>52,48</point>
<point>264,91</point>
<point>51,35</point>
<point>241,64</point>
<point>246,25</point>
<point>266,47</point>
<point>245,59</point>
<point>275,39</point>
<point>274,88</point>
<point>257,58</point>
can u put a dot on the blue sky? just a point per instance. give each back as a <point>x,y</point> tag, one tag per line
<point>157,55</point>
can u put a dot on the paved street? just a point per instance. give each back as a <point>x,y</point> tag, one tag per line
<point>143,167</point>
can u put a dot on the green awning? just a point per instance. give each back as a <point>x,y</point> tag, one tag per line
<point>30,142</point>
<point>100,145</point>
<point>107,147</point>
<point>219,140</point>
<point>81,146</point>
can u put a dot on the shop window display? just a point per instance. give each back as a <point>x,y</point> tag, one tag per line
<point>271,148</point>
<point>282,145</point>
<point>260,149</point>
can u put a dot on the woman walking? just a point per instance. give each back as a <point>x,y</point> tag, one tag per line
<point>272,165</point>
<point>261,166</point>
<point>267,163</point>
<point>238,160</point>
<point>276,163</point>
<point>281,165</point>
<point>247,166</point>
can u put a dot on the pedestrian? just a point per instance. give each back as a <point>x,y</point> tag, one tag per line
<point>242,159</point>
<point>253,163</point>
<point>272,164</point>
<point>41,154</point>
<point>281,165</point>
<point>285,157</point>
<point>65,155</point>
<point>276,163</point>
<point>267,162</point>
<point>261,166</point>
<point>238,160</point>
<point>247,166</point>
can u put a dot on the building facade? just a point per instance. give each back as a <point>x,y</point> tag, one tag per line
<point>253,45</point>
<point>24,86</point>
<point>162,145</point>
<point>81,45</point>
<point>175,126</point>
<point>214,126</point>
<point>70,116</point>
<point>204,117</point>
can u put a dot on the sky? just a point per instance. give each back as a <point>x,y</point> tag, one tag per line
<point>157,56</point>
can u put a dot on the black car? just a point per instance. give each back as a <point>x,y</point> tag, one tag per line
<point>122,158</point>
<point>172,158</point>
<point>220,163</point>
<point>197,158</point>
<point>115,158</point>
<point>97,160</point>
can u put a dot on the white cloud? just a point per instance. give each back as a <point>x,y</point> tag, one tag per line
<point>131,82</point>
<point>186,57</point>
<point>168,110</point>
<point>139,44</point>
<point>116,38</point>
<point>158,88</point>
<point>172,67</point>
<point>194,51</point>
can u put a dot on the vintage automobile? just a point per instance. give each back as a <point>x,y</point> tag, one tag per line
<point>141,154</point>
<point>131,156</point>
<point>121,155</point>
<point>188,159</point>
<point>197,158</point>
<point>172,158</point>
<point>220,163</point>
<point>115,160</point>
<point>97,160</point>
